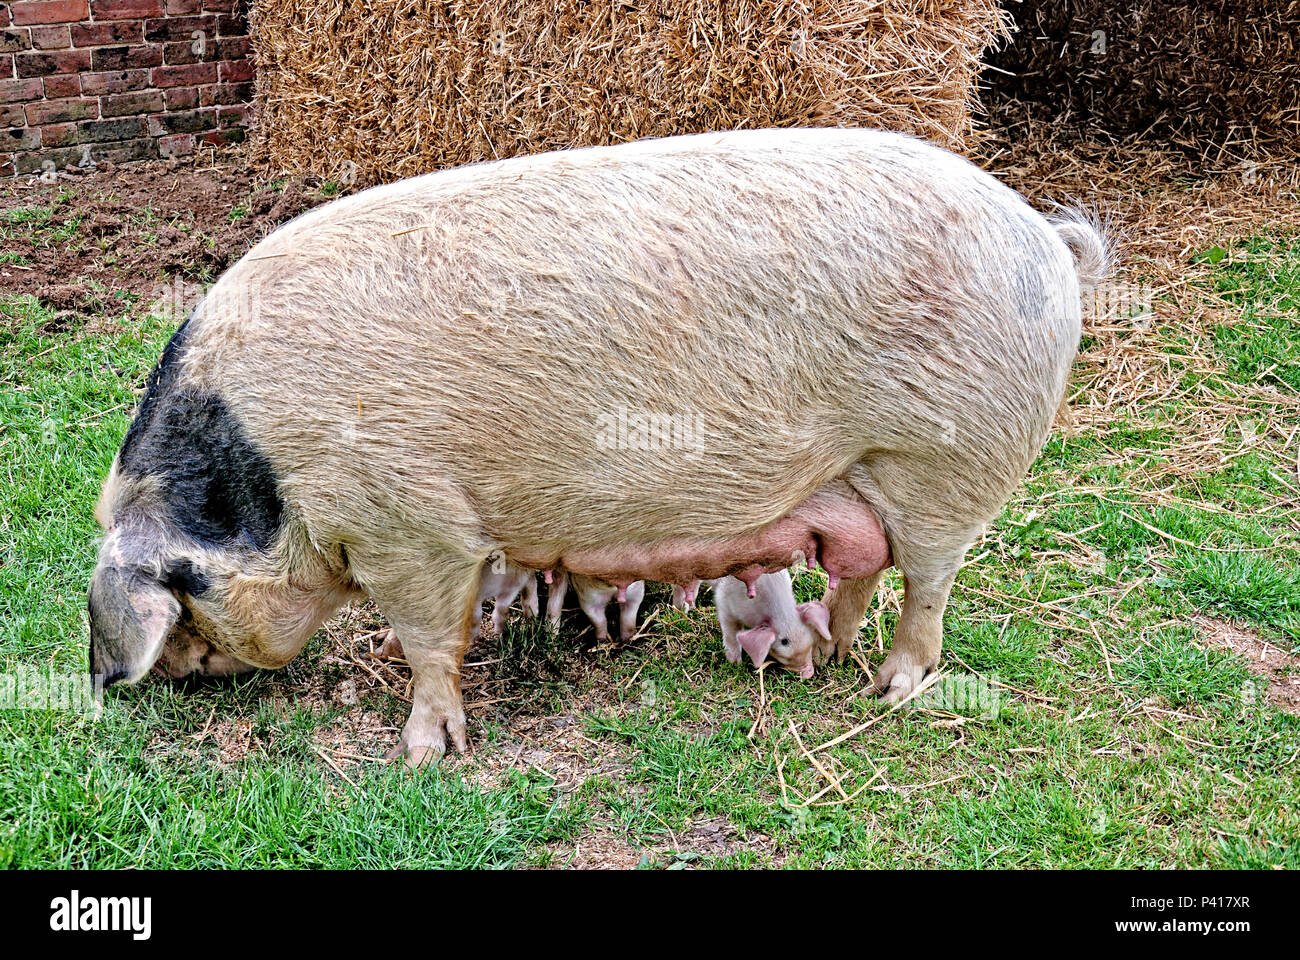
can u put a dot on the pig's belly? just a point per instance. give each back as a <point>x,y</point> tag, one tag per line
<point>833,527</point>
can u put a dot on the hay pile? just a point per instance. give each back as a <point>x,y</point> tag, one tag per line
<point>1218,75</point>
<point>362,93</point>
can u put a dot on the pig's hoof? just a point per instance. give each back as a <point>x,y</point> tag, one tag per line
<point>390,648</point>
<point>425,738</point>
<point>824,650</point>
<point>417,756</point>
<point>896,679</point>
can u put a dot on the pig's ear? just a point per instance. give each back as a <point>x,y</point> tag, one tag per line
<point>757,642</point>
<point>817,616</point>
<point>131,615</point>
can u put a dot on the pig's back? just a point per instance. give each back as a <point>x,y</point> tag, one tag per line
<point>785,301</point>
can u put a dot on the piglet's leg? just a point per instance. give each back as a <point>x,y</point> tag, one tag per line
<point>628,611</point>
<point>555,593</point>
<point>848,604</point>
<point>530,595</point>
<point>730,644</point>
<point>593,605</point>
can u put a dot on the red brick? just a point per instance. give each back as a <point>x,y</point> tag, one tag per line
<point>218,6</point>
<point>49,159</point>
<point>51,38</point>
<point>184,52</point>
<point>14,91</point>
<point>232,25</point>
<point>20,138</point>
<point>112,31</point>
<point>59,135</point>
<point>4,15</point>
<point>232,48</point>
<point>124,58</point>
<point>234,116</point>
<point>236,71</point>
<point>12,116</point>
<point>118,128</point>
<point>125,9</point>
<point>56,61</point>
<point>187,121</point>
<point>61,111</point>
<point>118,81</point>
<point>20,38</point>
<point>131,104</point>
<point>185,75</point>
<point>182,98</point>
<point>225,94</point>
<point>219,138</point>
<point>7,168</point>
<point>179,28</point>
<point>178,145</point>
<point>49,11</point>
<point>126,152</point>
<point>181,8</point>
<point>63,86</point>
<point>7,65</point>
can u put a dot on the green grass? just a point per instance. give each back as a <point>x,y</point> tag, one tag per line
<point>1118,737</point>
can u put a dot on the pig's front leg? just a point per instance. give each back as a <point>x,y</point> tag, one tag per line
<point>430,604</point>
<point>848,604</point>
<point>437,711</point>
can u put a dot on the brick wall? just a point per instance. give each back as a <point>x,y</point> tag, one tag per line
<point>89,80</point>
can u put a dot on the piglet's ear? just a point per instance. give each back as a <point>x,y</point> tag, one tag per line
<point>757,642</point>
<point>816,615</point>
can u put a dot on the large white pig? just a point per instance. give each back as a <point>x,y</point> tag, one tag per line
<point>870,334</point>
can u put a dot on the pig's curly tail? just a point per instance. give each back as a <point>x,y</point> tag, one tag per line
<point>1087,235</point>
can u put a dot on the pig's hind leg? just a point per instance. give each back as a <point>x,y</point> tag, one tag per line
<point>931,519</point>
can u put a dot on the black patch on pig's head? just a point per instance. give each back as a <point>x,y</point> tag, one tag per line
<point>219,488</point>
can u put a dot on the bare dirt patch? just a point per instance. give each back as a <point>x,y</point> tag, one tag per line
<point>106,241</point>
<point>1264,659</point>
